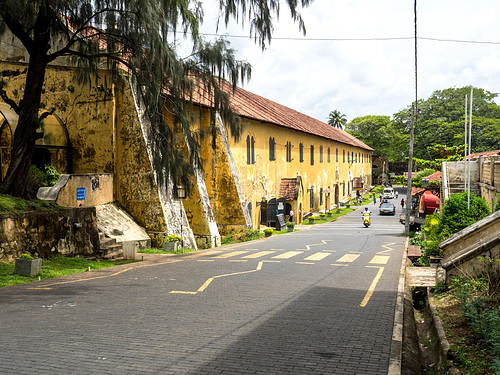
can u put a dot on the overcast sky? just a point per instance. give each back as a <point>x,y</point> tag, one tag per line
<point>370,77</point>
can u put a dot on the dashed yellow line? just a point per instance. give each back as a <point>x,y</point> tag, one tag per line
<point>258,255</point>
<point>209,281</point>
<point>204,253</point>
<point>379,259</point>
<point>317,256</point>
<point>135,266</point>
<point>348,258</point>
<point>229,255</point>
<point>288,255</point>
<point>371,289</point>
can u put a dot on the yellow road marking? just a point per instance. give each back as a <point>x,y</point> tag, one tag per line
<point>317,256</point>
<point>304,263</point>
<point>323,242</point>
<point>348,258</point>
<point>372,287</point>
<point>209,281</point>
<point>238,260</point>
<point>379,259</point>
<point>206,260</point>
<point>258,255</point>
<point>228,255</point>
<point>389,249</point>
<point>197,255</point>
<point>340,265</point>
<point>288,254</point>
<point>135,266</point>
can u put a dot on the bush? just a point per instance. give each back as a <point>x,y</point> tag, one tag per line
<point>290,224</point>
<point>241,236</point>
<point>497,207</point>
<point>455,216</point>
<point>268,230</point>
<point>173,238</point>
<point>38,178</point>
<point>26,256</point>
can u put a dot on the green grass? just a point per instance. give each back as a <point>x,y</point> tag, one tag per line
<point>55,267</point>
<point>335,215</point>
<point>9,204</point>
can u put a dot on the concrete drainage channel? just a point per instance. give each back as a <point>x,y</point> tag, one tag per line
<point>425,347</point>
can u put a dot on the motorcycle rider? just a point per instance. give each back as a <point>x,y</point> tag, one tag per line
<point>366,211</point>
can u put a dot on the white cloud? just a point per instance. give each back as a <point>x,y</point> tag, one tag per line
<point>370,77</point>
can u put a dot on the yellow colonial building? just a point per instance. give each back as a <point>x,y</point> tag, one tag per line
<point>283,161</point>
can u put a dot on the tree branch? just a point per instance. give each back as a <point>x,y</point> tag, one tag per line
<point>9,101</point>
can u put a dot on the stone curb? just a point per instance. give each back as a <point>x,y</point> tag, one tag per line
<point>443,341</point>
<point>396,353</point>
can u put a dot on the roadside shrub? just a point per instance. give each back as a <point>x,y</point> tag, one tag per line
<point>46,177</point>
<point>455,216</point>
<point>497,207</point>
<point>241,236</point>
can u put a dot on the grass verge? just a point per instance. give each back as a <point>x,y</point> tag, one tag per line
<point>56,267</point>
<point>9,204</point>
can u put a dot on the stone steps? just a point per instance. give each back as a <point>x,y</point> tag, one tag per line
<point>109,248</point>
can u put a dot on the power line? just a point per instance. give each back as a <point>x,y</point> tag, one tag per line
<point>306,39</point>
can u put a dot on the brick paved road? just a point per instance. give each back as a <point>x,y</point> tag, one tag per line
<point>285,305</point>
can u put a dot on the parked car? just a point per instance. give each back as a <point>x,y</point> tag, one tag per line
<point>387,209</point>
<point>389,193</point>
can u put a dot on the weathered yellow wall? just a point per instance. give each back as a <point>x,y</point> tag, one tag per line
<point>105,136</point>
<point>263,178</point>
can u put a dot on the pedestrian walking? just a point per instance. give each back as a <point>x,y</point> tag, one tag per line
<point>381,196</point>
<point>402,203</point>
<point>374,199</point>
<point>291,216</point>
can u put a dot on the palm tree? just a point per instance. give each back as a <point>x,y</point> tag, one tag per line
<point>336,119</point>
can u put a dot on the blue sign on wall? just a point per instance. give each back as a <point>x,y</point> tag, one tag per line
<point>80,194</point>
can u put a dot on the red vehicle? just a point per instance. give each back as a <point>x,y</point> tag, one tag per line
<point>429,203</point>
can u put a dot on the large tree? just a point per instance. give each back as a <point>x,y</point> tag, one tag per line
<point>441,120</point>
<point>379,133</point>
<point>140,37</point>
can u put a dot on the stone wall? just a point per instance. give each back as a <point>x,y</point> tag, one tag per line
<point>66,232</point>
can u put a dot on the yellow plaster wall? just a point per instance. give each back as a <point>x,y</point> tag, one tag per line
<point>263,178</point>
<point>105,137</point>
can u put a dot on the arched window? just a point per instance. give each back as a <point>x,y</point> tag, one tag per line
<point>272,149</point>
<point>301,152</point>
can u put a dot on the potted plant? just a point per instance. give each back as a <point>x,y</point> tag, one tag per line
<point>330,213</point>
<point>322,216</point>
<point>290,226</point>
<point>26,265</point>
<point>172,243</point>
<point>311,219</point>
<point>268,232</point>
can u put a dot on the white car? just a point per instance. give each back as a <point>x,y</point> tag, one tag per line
<point>389,193</point>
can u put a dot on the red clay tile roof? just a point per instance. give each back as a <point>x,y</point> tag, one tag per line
<point>256,107</point>
<point>486,153</point>
<point>287,188</point>
<point>437,176</point>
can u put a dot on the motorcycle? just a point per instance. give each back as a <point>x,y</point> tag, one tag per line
<point>366,220</point>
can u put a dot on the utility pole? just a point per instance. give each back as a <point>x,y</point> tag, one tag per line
<point>410,167</point>
<point>413,114</point>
